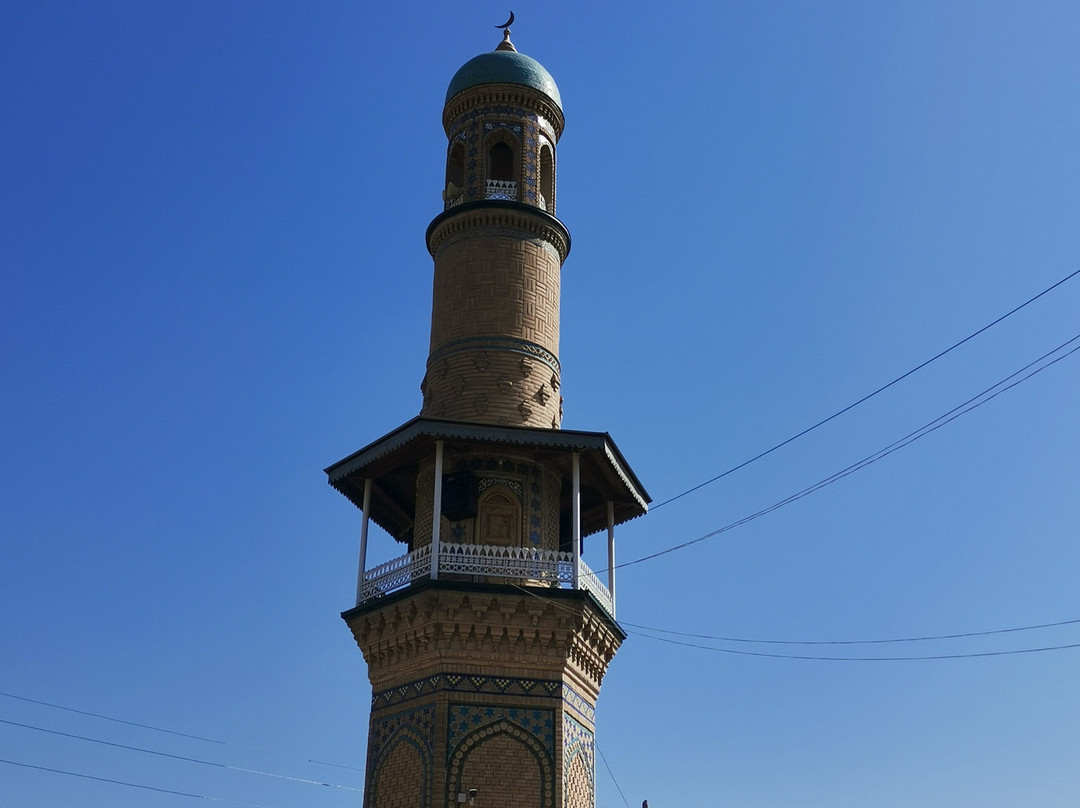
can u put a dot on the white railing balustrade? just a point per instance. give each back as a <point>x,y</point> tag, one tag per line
<point>589,582</point>
<point>523,563</point>
<point>396,573</point>
<point>502,189</point>
<point>527,564</point>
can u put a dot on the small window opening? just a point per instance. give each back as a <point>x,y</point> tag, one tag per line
<point>501,162</point>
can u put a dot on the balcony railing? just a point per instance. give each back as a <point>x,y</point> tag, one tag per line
<point>496,189</point>
<point>532,567</point>
<point>502,189</point>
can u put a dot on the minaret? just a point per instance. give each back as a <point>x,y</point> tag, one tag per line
<point>488,638</point>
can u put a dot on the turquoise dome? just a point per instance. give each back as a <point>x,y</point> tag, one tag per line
<point>504,67</point>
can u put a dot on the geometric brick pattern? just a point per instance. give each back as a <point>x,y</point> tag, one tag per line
<point>498,286</point>
<point>506,764</point>
<point>579,765</point>
<point>495,332</point>
<point>400,751</point>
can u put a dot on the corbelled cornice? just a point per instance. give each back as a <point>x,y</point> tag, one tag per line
<point>494,217</point>
<point>505,629</point>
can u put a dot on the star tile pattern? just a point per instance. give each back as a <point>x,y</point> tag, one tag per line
<point>465,719</point>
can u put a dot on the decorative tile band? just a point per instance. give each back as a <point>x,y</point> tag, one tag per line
<point>467,683</point>
<point>491,343</point>
<point>469,120</point>
<point>578,704</point>
<point>500,685</point>
<point>497,464</point>
<point>486,482</point>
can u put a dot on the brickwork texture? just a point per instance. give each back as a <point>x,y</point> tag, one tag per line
<point>495,333</point>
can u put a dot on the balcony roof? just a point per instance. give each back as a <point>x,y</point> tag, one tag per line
<point>392,463</point>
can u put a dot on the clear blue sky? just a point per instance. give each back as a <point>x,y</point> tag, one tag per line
<point>214,284</point>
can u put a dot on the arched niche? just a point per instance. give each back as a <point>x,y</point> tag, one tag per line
<point>455,173</point>
<point>547,179</point>
<point>499,517</point>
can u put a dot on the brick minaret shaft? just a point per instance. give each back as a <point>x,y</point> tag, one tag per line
<point>494,355</point>
<point>486,643</point>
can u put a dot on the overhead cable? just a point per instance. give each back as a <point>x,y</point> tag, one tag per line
<point>976,401</point>
<point>742,652</point>
<point>869,396</point>
<point>131,785</point>
<point>928,638</point>
<point>167,731</point>
<point>179,757</point>
<point>611,774</point>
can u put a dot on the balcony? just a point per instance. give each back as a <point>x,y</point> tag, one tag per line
<point>524,565</point>
<point>599,491</point>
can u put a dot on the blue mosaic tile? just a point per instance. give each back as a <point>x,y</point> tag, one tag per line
<point>465,718</point>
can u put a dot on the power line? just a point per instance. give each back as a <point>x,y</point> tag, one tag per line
<point>853,642</point>
<point>972,403</point>
<point>611,774</point>
<point>131,785</point>
<point>926,638</point>
<point>808,657</point>
<point>869,396</point>
<point>178,757</point>
<point>741,652</point>
<point>166,731</point>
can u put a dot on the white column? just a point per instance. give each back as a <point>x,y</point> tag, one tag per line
<point>436,516</point>
<point>611,553</point>
<point>363,539</point>
<point>576,517</point>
